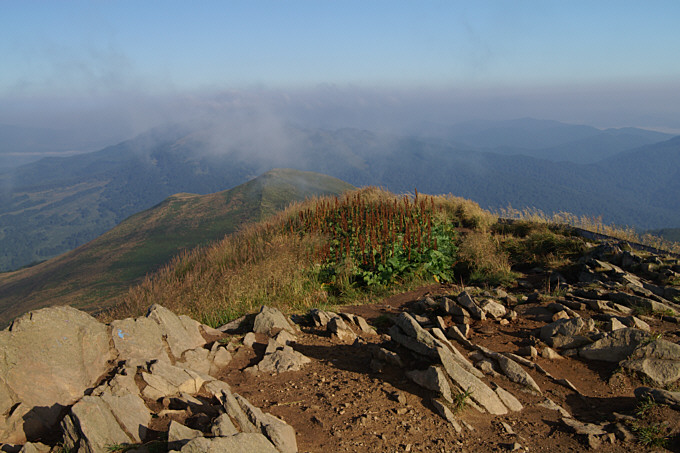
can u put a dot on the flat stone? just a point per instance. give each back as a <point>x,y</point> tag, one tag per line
<point>321,318</point>
<point>566,327</point>
<point>181,332</point>
<point>281,360</point>
<point>658,360</point>
<point>239,443</point>
<point>508,399</point>
<point>550,354</point>
<point>457,355</point>
<point>480,392</point>
<point>616,346</point>
<point>138,340</point>
<point>233,408</point>
<point>432,378</point>
<point>197,359</point>
<point>512,369</point>
<point>553,406</point>
<point>583,428</point>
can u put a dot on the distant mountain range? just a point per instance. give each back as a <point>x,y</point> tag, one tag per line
<point>93,275</point>
<point>56,204</point>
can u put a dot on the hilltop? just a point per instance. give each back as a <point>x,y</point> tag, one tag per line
<point>56,204</point>
<point>92,276</point>
<point>365,322</point>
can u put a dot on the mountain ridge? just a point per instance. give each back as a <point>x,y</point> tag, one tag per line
<point>103,268</point>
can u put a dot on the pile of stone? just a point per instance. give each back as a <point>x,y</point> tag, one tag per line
<point>68,378</point>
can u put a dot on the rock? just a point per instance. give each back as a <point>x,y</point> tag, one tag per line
<point>550,354</point>
<point>341,330</point>
<point>276,430</point>
<point>249,339</point>
<point>445,412</point>
<point>181,332</point>
<point>631,300</point>
<point>223,426</point>
<point>233,409</point>
<point>281,360</point>
<point>568,342</point>
<point>560,315</point>
<point>567,328</point>
<point>455,353</point>
<point>285,338</point>
<point>179,435</point>
<point>138,340</point>
<point>321,318</point>
<point>466,301</point>
<point>407,332</point>
<point>528,351</point>
<point>197,359</point>
<point>220,359</point>
<point>492,308</point>
<point>169,380</point>
<point>34,447</point>
<point>583,428</point>
<point>553,406</point>
<point>480,392</point>
<point>59,350</point>
<point>432,378</point>
<point>270,321</point>
<point>363,326</point>
<point>512,369</point>
<point>660,396</point>
<point>614,347</point>
<point>613,324</point>
<point>388,356</point>
<point>239,443</point>
<point>658,360</point>
<point>90,426</point>
<point>508,399</point>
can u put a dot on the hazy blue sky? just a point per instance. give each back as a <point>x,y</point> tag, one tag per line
<point>606,63</point>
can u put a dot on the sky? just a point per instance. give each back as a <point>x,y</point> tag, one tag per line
<point>118,67</point>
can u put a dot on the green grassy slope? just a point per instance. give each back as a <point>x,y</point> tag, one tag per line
<point>91,275</point>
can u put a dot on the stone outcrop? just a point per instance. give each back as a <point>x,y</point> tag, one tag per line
<point>59,350</point>
<point>98,383</point>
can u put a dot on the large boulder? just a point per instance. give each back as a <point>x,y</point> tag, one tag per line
<point>138,340</point>
<point>48,358</point>
<point>181,332</point>
<point>614,347</point>
<point>270,321</point>
<point>658,360</point>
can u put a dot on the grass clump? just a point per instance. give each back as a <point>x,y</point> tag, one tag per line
<point>483,259</point>
<point>330,250</point>
<point>649,430</point>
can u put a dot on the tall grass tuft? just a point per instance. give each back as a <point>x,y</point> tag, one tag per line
<point>322,251</point>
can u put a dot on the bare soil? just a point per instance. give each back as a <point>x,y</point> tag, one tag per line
<point>339,403</point>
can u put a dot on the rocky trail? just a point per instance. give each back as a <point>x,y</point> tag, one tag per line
<point>591,364</point>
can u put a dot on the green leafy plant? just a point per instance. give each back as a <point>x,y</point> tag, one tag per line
<point>460,401</point>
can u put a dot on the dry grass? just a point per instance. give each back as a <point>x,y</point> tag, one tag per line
<point>594,224</point>
<point>485,259</point>
<point>279,262</point>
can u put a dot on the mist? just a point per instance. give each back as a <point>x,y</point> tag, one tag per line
<point>257,118</point>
